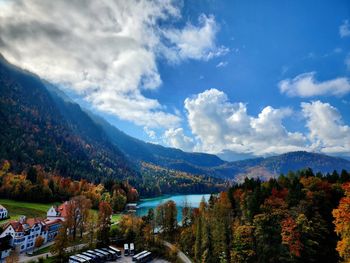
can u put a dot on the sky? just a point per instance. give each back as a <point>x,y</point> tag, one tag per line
<point>238,78</point>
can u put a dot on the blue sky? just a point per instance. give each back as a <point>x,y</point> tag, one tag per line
<point>258,77</point>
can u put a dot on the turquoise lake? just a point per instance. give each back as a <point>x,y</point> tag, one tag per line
<point>192,200</point>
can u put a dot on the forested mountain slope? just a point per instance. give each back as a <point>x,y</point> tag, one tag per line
<point>36,128</point>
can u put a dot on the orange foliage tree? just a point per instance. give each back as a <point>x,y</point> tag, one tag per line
<point>342,224</point>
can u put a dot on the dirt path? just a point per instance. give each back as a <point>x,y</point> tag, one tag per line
<point>180,254</point>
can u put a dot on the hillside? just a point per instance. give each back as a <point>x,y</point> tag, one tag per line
<point>40,125</point>
<point>36,128</point>
<point>164,156</point>
<point>276,165</point>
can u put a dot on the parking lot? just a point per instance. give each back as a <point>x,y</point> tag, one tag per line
<point>124,259</point>
<point>114,254</point>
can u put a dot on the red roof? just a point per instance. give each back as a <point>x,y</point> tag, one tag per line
<point>17,226</point>
<point>62,209</point>
<point>32,221</point>
<point>49,222</point>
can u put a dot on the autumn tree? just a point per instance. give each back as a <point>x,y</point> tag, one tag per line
<point>104,223</point>
<point>78,209</point>
<point>61,242</point>
<point>291,236</point>
<point>91,229</point>
<point>243,245</point>
<point>342,224</point>
<point>118,201</point>
<point>199,239</point>
<point>166,219</point>
<point>39,241</point>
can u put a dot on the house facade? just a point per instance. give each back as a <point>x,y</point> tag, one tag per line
<point>57,212</point>
<point>25,231</point>
<point>51,228</point>
<point>3,212</point>
<point>21,234</point>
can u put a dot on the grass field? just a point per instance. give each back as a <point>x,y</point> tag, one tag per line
<point>17,208</point>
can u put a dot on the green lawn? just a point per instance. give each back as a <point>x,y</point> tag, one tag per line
<point>18,208</point>
<point>116,218</point>
<point>42,250</point>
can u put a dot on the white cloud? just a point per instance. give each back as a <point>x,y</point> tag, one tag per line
<point>104,50</point>
<point>305,85</point>
<point>194,42</point>
<point>222,64</point>
<point>150,133</point>
<point>221,125</point>
<point>176,138</point>
<point>344,29</point>
<point>327,132</point>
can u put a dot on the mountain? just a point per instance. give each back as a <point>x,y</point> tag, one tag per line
<point>211,165</point>
<point>164,156</point>
<point>38,128</point>
<point>40,124</point>
<point>281,164</point>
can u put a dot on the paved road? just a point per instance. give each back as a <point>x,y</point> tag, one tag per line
<point>180,254</point>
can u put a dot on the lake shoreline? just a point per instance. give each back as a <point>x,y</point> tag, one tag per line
<point>192,200</point>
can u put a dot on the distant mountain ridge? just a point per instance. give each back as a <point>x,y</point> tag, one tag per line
<point>281,164</point>
<point>211,165</point>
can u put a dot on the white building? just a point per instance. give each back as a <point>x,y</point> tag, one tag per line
<point>21,234</point>
<point>57,212</point>
<point>3,212</point>
<point>25,231</point>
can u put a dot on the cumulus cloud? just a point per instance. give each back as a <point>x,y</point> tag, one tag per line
<point>305,85</point>
<point>194,42</point>
<point>176,138</point>
<point>344,29</point>
<point>104,50</point>
<point>221,125</point>
<point>327,132</point>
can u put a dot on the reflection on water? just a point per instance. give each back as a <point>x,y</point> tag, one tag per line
<point>192,200</point>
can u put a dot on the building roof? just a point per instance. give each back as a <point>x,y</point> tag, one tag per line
<point>2,207</point>
<point>32,221</point>
<point>62,209</point>
<point>16,225</point>
<point>49,222</point>
<point>20,227</point>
